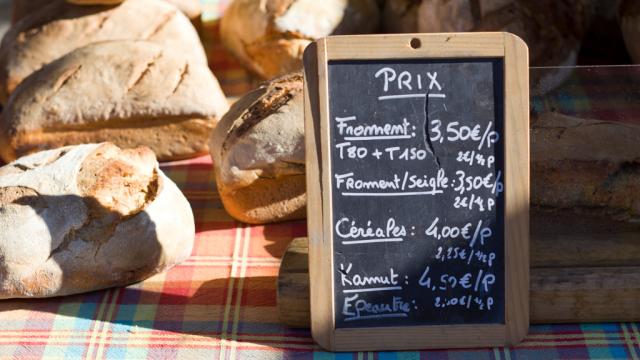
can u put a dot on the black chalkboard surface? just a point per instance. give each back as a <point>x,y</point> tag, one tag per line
<point>417,177</point>
<point>417,151</point>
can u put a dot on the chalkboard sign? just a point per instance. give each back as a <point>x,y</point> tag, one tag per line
<point>417,178</point>
<point>417,181</point>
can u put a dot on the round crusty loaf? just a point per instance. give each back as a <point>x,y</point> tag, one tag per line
<point>88,217</point>
<point>630,25</point>
<point>258,153</point>
<point>131,93</point>
<point>59,28</point>
<point>553,29</point>
<point>269,37</point>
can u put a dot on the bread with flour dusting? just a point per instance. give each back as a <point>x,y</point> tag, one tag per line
<point>88,217</point>
<point>131,93</point>
<point>59,28</point>
<point>258,153</point>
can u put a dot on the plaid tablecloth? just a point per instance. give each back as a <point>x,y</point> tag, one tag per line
<point>221,303</point>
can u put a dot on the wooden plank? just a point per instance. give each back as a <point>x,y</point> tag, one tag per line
<point>316,160</point>
<point>398,46</point>
<point>516,195</point>
<point>558,294</point>
<point>585,294</point>
<point>568,240</point>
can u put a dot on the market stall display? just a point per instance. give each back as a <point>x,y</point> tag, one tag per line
<point>240,290</point>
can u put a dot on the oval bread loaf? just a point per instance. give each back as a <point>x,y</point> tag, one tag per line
<point>131,93</point>
<point>88,217</point>
<point>59,28</point>
<point>269,37</point>
<point>258,153</point>
<point>585,166</point>
<point>630,25</point>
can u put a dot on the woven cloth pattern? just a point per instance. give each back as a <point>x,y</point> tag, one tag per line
<point>221,302</point>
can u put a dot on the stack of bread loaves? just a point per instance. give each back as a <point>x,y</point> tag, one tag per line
<point>72,74</point>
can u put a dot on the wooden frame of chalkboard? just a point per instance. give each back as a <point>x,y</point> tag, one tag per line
<point>512,320</point>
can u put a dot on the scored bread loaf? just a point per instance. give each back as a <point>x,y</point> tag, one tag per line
<point>585,167</point>
<point>21,8</point>
<point>131,93</point>
<point>269,36</point>
<point>59,28</point>
<point>630,25</point>
<point>258,153</point>
<point>88,217</point>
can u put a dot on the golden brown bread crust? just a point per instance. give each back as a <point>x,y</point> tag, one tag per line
<point>59,28</point>
<point>269,37</point>
<point>267,200</point>
<point>170,141</point>
<point>129,92</point>
<point>258,154</point>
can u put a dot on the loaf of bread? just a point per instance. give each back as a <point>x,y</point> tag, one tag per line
<point>21,8</point>
<point>131,93</point>
<point>88,217</point>
<point>269,36</point>
<point>553,29</point>
<point>583,166</point>
<point>258,154</point>
<point>630,25</point>
<point>59,28</point>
